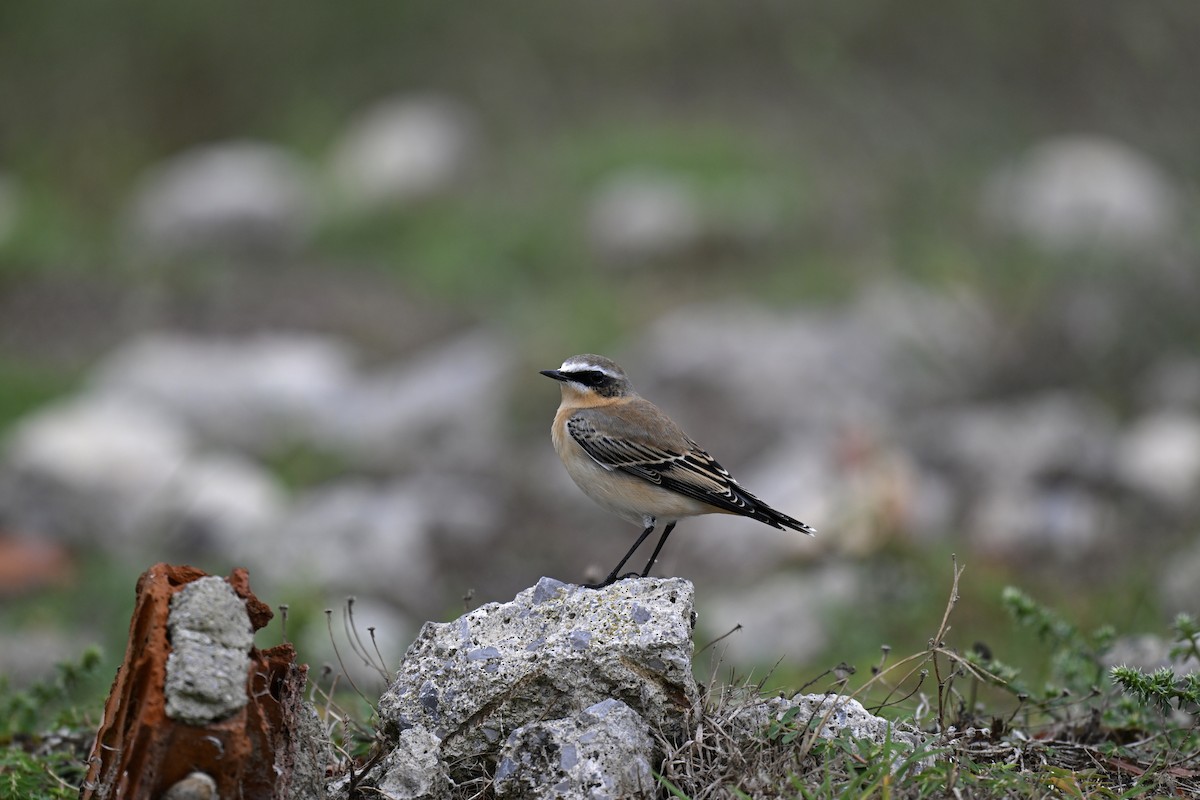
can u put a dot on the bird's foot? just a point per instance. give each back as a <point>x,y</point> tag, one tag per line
<point>611,579</point>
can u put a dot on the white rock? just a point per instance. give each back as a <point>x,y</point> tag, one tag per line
<point>402,150</point>
<point>784,616</point>
<point>1082,192</point>
<point>1014,444</point>
<point>257,393</point>
<point>838,714</point>
<point>893,347</point>
<point>123,472</point>
<point>214,503</point>
<point>600,753</point>
<point>443,407</point>
<point>334,536</point>
<point>1027,523</point>
<point>1160,457</point>
<point>236,197</point>
<point>99,445</point>
<point>554,650</point>
<point>639,215</point>
<point>211,637</point>
<point>412,770</point>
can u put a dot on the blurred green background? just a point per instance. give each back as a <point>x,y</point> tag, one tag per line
<point>825,148</point>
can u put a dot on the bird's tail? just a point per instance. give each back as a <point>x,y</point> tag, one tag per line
<point>776,519</point>
<point>781,520</point>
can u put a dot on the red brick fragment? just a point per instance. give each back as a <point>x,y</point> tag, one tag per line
<point>140,752</point>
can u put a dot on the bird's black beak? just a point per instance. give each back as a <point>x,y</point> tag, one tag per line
<point>553,373</point>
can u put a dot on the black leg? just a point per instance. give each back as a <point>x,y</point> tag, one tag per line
<point>661,541</point>
<point>612,576</point>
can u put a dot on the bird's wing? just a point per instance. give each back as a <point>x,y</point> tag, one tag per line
<point>681,467</point>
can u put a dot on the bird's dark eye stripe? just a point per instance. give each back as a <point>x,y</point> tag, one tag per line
<point>589,377</point>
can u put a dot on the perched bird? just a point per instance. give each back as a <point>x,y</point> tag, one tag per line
<point>633,460</point>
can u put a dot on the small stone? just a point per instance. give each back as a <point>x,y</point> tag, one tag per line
<point>196,786</point>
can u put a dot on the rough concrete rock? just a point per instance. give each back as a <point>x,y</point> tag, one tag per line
<point>847,714</point>
<point>211,639</point>
<point>805,710</point>
<point>413,771</point>
<point>601,753</point>
<point>553,651</point>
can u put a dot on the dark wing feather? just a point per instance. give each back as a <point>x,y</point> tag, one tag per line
<point>690,472</point>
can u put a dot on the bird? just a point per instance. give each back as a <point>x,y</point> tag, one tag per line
<point>634,461</point>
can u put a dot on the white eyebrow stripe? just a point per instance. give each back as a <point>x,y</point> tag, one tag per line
<point>572,365</point>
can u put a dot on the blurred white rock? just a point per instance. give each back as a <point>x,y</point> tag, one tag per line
<point>774,372</point>
<point>89,469</point>
<point>214,503</point>
<point>257,394</point>
<point>1159,456</point>
<point>10,207</point>
<point>401,150</point>
<point>1082,193</point>
<point>100,444</point>
<point>782,617</point>
<point>358,537</point>
<point>230,198</point>
<point>639,215</point>
<point>921,344</point>
<point>1021,442</point>
<point>123,474</point>
<point>445,406</point>
<point>1148,653</point>
<point>1029,523</point>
